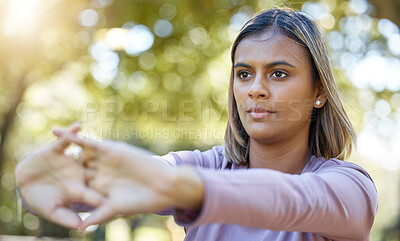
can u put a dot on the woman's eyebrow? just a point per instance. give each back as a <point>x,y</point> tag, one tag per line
<point>279,63</point>
<point>240,64</point>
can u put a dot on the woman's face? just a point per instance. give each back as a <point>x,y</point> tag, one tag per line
<point>273,87</point>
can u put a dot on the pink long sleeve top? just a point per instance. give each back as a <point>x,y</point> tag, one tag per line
<point>329,200</point>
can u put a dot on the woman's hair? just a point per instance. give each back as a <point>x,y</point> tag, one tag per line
<point>331,133</point>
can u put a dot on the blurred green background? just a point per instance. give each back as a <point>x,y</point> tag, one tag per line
<point>155,74</point>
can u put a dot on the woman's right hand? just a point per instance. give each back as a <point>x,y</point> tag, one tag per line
<point>50,181</point>
<point>134,182</point>
<point>130,179</point>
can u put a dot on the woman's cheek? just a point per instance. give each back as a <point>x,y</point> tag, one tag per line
<point>299,110</point>
<point>296,113</point>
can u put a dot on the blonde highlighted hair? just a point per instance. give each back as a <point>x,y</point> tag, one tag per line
<point>331,133</point>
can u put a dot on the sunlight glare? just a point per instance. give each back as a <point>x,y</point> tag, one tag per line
<point>22,17</point>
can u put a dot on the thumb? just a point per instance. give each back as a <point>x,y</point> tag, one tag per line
<point>100,215</point>
<point>66,217</point>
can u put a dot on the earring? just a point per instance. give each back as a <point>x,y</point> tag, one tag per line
<point>318,102</point>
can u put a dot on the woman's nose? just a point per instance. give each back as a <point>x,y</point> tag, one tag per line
<point>258,90</point>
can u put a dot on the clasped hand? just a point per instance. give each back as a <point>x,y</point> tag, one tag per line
<point>112,177</point>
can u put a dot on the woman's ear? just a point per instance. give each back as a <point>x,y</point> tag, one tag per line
<point>320,97</point>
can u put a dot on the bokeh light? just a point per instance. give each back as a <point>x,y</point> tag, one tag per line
<point>358,6</point>
<point>116,38</point>
<point>106,67</point>
<point>6,215</point>
<point>88,18</point>
<point>30,221</point>
<point>137,81</point>
<point>163,28</point>
<point>118,229</point>
<point>139,39</point>
<point>147,61</point>
<point>238,20</point>
<point>168,11</point>
<point>104,3</point>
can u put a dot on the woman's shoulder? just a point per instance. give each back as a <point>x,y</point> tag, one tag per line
<point>213,158</point>
<point>320,164</point>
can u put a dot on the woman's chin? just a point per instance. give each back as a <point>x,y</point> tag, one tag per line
<point>263,135</point>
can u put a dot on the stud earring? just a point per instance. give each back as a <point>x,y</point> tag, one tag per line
<point>318,102</point>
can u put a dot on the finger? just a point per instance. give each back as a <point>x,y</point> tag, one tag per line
<point>89,155</point>
<point>63,142</point>
<point>99,184</point>
<point>73,128</point>
<point>76,191</point>
<point>98,216</point>
<point>90,150</point>
<point>57,132</point>
<point>91,165</point>
<point>66,217</point>
<point>83,142</point>
<point>89,175</point>
<point>92,198</point>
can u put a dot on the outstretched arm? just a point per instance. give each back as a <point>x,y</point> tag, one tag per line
<point>338,202</point>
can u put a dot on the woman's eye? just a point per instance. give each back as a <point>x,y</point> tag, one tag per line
<point>243,75</point>
<point>279,74</point>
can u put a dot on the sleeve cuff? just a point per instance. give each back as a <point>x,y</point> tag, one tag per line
<point>185,217</point>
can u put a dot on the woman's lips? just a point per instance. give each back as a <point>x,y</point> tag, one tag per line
<point>259,112</point>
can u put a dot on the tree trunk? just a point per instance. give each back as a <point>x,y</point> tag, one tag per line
<point>9,118</point>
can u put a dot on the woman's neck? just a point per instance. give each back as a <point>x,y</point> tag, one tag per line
<point>289,157</point>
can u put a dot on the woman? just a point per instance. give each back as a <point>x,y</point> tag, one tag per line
<point>279,176</point>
